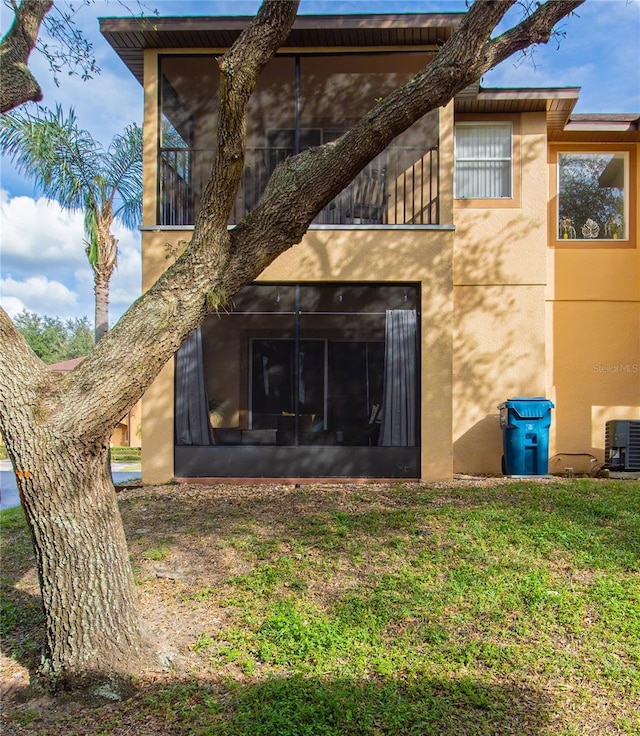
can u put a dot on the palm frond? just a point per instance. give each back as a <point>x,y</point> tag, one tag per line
<point>124,171</point>
<point>91,231</point>
<point>49,147</point>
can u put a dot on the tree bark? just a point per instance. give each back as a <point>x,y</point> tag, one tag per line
<point>89,597</point>
<point>17,83</point>
<point>88,592</point>
<point>57,431</point>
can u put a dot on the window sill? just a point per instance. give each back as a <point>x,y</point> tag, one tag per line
<point>577,244</point>
<point>487,204</point>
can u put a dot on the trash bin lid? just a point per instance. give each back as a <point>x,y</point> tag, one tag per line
<point>528,398</point>
<point>529,407</point>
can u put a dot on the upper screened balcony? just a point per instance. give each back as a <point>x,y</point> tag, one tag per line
<point>330,70</point>
<point>300,101</point>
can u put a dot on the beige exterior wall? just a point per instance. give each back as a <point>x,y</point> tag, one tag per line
<point>421,256</point>
<point>593,324</point>
<point>128,433</point>
<point>330,256</point>
<point>499,302</point>
<point>534,317</point>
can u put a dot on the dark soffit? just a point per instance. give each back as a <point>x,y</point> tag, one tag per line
<point>129,37</point>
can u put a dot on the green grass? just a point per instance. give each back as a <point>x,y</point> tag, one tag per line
<point>512,609</point>
<point>157,553</point>
<point>21,618</point>
<point>448,610</point>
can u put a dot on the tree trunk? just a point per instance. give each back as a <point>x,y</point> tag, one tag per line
<point>88,591</point>
<point>103,270</point>
<point>101,291</point>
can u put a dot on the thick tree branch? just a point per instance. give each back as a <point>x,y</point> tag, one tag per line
<point>240,67</point>
<point>196,283</point>
<point>17,83</point>
<point>313,178</point>
<point>17,397</point>
<point>534,29</point>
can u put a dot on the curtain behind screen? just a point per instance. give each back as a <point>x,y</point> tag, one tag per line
<point>399,402</point>
<point>192,406</point>
<point>483,161</point>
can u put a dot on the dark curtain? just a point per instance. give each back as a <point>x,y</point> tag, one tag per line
<point>192,406</point>
<point>399,401</point>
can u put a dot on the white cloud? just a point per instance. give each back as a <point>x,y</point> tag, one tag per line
<point>39,231</point>
<point>126,279</point>
<point>11,305</point>
<point>38,294</point>
<point>45,265</point>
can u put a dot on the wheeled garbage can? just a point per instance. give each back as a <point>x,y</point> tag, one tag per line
<point>525,426</point>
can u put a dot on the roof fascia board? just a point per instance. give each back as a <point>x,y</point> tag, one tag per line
<point>302,22</point>
<point>528,93</point>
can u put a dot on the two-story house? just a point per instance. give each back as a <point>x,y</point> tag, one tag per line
<point>490,252</point>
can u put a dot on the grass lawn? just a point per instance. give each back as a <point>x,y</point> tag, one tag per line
<point>490,607</point>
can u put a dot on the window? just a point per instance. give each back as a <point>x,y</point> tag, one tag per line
<point>483,161</point>
<point>592,196</point>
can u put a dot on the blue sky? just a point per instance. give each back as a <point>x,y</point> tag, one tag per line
<point>43,266</point>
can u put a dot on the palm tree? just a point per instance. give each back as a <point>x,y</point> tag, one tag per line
<point>69,166</point>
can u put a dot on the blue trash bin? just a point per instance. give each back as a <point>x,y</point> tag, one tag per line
<point>525,426</point>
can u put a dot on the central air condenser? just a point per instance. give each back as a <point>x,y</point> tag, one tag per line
<point>622,445</point>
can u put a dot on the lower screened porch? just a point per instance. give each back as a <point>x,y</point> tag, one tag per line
<point>302,381</point>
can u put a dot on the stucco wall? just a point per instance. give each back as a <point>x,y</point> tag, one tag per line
<point>422,257</point>
<point>499,314</point>
<point>505,311</point>
<point>593,330</point>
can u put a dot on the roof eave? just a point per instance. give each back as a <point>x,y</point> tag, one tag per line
<point>556,102</point>
<point>129,37</point>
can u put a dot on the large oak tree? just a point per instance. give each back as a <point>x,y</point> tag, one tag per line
<point>57,429</point>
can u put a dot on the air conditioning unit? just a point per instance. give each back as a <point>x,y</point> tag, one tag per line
<point>622,445</point>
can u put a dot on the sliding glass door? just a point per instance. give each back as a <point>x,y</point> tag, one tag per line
<point>329,371</point>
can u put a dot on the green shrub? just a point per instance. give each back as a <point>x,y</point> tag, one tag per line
<point>125,454</point>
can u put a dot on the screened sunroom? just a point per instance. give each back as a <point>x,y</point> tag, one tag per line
<point>300,101</point>
<point>302,380</point>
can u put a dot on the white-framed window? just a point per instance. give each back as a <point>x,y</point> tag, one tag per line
<point>592,195</point>
<point>483,160</point>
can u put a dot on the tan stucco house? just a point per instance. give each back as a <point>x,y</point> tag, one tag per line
<point>490,252</point>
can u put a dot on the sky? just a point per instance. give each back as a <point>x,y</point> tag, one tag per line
<point>43,267</point>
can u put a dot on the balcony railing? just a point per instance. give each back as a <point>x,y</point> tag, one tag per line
<point>399,187</point>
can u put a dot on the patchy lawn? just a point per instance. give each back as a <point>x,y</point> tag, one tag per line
<point>471,607</point>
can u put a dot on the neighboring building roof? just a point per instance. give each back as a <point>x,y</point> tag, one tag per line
<point>66,365</point>
<point>130,36</point>
<point>619,127</point>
